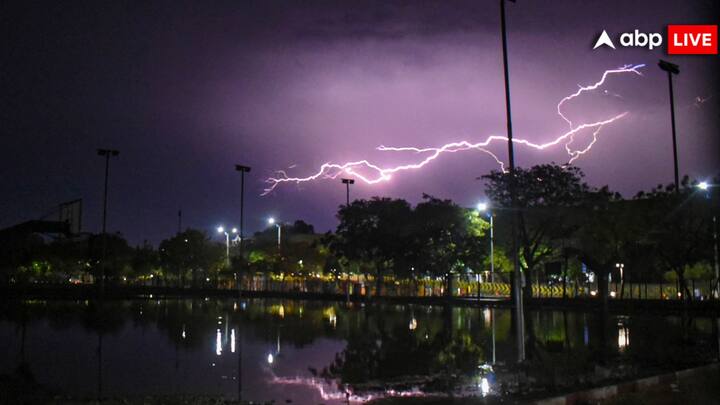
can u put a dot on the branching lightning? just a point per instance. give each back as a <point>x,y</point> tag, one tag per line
<point>370,173</point>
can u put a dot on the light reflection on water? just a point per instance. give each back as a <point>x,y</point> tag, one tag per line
<point>311,352</point>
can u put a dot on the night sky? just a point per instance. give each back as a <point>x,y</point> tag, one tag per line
<point>185,90</point>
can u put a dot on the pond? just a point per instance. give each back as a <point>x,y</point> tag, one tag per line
<point>311,352</point>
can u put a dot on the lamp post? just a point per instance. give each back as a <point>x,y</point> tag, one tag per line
<point>221,229</point>
<point>272,221</point>
<point>347,183</point>
<point>705,186</point>
<point>242,169</point>
<point>483,207</point>
<point>517,285</point>
<point>672,69</point>
<point>107,153</point>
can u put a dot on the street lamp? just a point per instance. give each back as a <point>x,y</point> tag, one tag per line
<point>221,229</point>
<point>107,153</point>
<point>272,221</point>
<point>347,183</point>
<point>517,287</point>
<point>242,169</point>
<point>621,267</point>
<point>705,186</point>
<point>483,207</point>
<point>672,69</point>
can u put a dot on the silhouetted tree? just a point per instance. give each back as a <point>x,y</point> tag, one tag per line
<point>541,194</point>
<point>191,251</point>
<point>375,231</point>
<point>447,239</point>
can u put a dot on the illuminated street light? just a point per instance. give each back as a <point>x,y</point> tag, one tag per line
<point>270,358</point>
<point>221,229</point>
<point>703,185</point>
<point>272,221</point>
<point>484,207</point>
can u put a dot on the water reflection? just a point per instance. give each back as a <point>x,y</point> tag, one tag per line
<point>311,352</point>
<point>623,336</point>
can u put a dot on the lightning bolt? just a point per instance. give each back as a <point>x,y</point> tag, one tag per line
<point>370,173</point>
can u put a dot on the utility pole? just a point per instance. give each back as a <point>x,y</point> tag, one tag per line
<point>517,285</point>
<point>347,183</point>
<point>107,153</point>
<point>179,221</point>
<point>242,169</point>
<point>672,69</point>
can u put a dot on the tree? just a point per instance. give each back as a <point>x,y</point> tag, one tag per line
<point>191,251</point>
<point>542,193</point>
<point>118,254</point>
<point>145,261</point>
<point>447,238</point>
<point>375,231</point>
<point>607,228</point>
<point>683,232</point>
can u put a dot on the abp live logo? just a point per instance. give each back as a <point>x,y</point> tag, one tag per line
<point>692,39</point>
<point>681,40</point>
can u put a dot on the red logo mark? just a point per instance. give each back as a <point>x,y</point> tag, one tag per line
<point>692,39</point>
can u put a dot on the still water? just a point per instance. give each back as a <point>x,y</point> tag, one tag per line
<point>324,352</point>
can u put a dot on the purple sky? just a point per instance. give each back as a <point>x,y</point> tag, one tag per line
<point>187,89</point>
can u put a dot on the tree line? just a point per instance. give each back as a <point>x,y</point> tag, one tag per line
<point>566,230</point>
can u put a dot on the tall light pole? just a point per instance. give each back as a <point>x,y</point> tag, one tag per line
<point>242,169</point>
<point>517,287</point>
<point>672,69</point>
<point>107,153</point>
<point>272,221</point>
<point>483,207</point>
<point>705,186</point>
<point>221,229</point>
<point>347,183</point>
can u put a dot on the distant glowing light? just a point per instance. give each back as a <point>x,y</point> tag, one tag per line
<point>232,340</point>
<point>271,221</point>
<point>220,229</point>
<point>371,173</point>
<point>482,207</point>
<point>270,358</point>
<point>703,185</point>
<point>413,324</point>
<point>234,230</point>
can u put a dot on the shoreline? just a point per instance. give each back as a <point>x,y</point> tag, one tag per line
<point>51,292</point>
